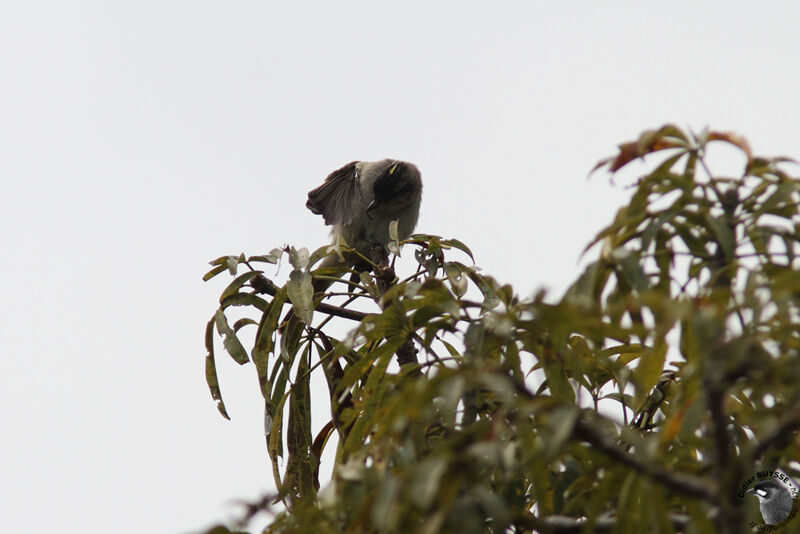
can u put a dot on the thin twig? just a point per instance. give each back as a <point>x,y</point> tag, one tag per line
<point>262,284</point>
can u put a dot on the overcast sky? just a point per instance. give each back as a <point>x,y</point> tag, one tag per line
<point>139,140</point>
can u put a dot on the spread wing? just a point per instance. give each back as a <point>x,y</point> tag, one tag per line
<point>338,198</point>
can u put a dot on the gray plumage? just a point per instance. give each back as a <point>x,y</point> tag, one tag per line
<point>774,499</point>
<point>360,200</point>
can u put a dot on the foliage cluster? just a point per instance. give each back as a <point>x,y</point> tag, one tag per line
<point>638,402</point>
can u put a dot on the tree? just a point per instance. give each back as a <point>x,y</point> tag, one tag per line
<point>643,400</point>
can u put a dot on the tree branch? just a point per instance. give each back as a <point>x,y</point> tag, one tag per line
<point>262,284</point>
<point>679,482</point>
<point>787,424</point>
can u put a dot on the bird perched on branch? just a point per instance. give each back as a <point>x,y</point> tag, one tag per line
<point>361,199</point>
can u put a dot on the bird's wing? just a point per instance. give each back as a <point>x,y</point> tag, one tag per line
<point>338,197</point>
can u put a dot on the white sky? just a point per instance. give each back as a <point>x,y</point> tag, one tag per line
<point>139,140</point>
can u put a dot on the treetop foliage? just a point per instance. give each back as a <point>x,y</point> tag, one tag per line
<point>640,401</point>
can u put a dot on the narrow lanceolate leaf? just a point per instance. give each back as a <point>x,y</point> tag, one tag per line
<point>631,269</point>
<point>648,372</point>
<point>557,382</point>
<point>300,466</point>
<point>275,440</point>
<point>244,299</point>
<point>301,294</point>
<point>237,283</point>
<point>455,243</point>
<point>734,139</point>
<point>586,290</point>
<point>241,323</point>
<point>359,369</point>
<point>650,141</point>
<point>231,343</point>
<point>213,272</point>
<point>211,370</point>
<point>265,340</point>
<point>723,234</point>
<point>235,348</point>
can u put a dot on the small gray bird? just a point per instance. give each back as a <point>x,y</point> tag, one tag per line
<point>360,200</point>
<point>363,197</point>
<point>774,499</point>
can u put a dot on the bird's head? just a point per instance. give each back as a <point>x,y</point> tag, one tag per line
<point>397,187</point>
<point>766,490</point>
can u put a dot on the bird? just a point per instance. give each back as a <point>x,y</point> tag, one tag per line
<point>774,499</point>
<point>360,200</point>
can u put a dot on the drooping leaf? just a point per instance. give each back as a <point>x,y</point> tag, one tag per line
<point>231,343</point>
<point>211,369</point>
<point>300,464</point>
<point>244,299</point>
<point>455,243</point>
<point>237,283</point>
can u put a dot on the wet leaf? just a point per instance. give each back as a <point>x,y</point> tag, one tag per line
<point>301,293</point>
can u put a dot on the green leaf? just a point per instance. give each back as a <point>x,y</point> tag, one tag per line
<point>631,269</point>
<point>426,477</point>
<point>264,343</point>
<point>231,343</point>
<point>244,299</point>
<point>213,272</point>
<point>560,424</point>
<point>648,372</point>
<point>455,243</point>
<point>241,323</point>
<point>237,283</point>
<point>275,440</point>
<point>723,234</point>
<point>557,382</point>
<point>586,290</point>
<point>359,369</point>
<point>278,388</point>
<point>458,282</point>
<point>211,370</point>
<point>300,465</point>
<point>235,348</point>
<point>301,294</point>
